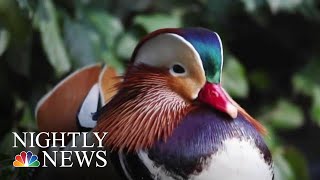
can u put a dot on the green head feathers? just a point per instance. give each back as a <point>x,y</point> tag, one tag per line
<point>209,47</point>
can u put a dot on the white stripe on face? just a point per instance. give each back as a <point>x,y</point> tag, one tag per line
<point>167,50</point>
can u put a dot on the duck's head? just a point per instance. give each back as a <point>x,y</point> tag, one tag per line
<point>193,58</point>
<point>172,71</point>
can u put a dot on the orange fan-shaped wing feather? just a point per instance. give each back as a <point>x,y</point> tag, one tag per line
<point>57,110</point>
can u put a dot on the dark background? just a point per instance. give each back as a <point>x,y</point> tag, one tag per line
<point>271,65</point>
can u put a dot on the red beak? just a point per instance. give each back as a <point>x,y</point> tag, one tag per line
<point>217,97</point>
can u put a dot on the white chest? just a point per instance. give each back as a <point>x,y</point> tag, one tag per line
<point>235,160</point>
<point>239,160</point>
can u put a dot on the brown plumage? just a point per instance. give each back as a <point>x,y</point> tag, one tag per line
<point>144,110</point>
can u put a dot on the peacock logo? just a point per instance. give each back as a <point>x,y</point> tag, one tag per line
<point>26,160</point>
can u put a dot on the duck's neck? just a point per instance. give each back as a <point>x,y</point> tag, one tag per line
<point>144,111</point>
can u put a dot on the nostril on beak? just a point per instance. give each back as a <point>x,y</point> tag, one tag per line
<point>214,94</point>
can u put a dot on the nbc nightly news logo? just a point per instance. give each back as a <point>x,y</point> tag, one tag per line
<point>79,152</point>
<point>26,160</point>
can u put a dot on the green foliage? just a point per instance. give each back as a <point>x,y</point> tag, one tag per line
<point>82,49</point>
<point>41,41</point>
<point>306,82</point>
<point>46,21</point>
<point>315,109</point>
<point>157,21</point>
<point>284,115</point>
<point>126,45</point>
<point>237,85</point>
<point>289,164</point>
<point>297,163</point>
<point>4,40</point>
<point>282,168</point>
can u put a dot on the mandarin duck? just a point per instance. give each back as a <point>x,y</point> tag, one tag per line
<point>168,117</point>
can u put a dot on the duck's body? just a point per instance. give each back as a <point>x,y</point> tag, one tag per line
<point>171,118</point>
<point>189,129</point>
<point>201,148</point>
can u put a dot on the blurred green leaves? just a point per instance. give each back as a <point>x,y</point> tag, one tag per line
<point>287,5</point>
<point>284,115</point>
<point>282,170</point>
<point>28,122</point>
<point>46,21</point>
<point>126,45</point>
<point>234,78</point>
<point>306,82</point>
<point>81,49</point>
<point>96,33</point>
<point>4,40</point>
<point>107,25</point>
<point>276,6</point>
<point>157,21</point>
<point>289,164</point>
<point>108,29</point>
<point>297,162</point>
<point>315,108</point>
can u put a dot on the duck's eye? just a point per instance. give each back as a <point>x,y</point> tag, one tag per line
<point>178,69</point>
